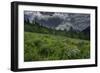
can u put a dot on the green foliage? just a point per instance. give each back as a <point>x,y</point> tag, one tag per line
<point>37,28</point>
<point>39,47</point>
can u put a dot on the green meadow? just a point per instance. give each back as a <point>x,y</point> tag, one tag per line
<point>44,47</point>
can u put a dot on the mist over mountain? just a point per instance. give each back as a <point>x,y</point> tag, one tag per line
<point>59,20</point>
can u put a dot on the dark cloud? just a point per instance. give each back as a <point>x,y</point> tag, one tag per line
<point>47,13</point>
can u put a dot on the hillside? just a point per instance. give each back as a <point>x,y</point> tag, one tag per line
<point>38,28</point>
<point>39,47</point>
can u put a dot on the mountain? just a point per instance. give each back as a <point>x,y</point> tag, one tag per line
<point>80,21</point>
<point>87,30</point>
<point>59,20</point>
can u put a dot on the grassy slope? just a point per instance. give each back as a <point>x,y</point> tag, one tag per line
<point>40,47</point>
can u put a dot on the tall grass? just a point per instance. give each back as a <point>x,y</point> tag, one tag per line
<point>42,47</point>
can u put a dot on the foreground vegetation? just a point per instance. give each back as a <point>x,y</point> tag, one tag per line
<point>39,47</point>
